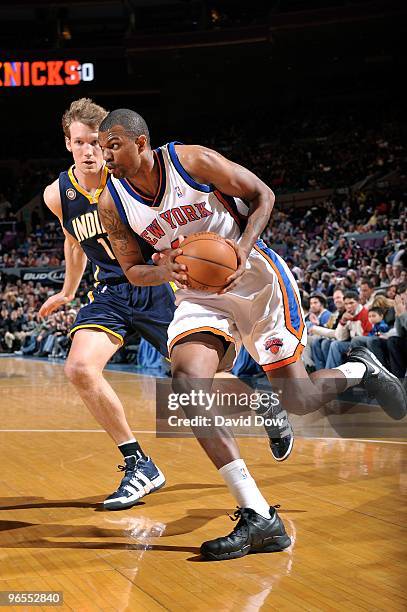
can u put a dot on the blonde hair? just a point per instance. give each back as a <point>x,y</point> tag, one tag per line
<point>85,111</point>
<point>381,301</point>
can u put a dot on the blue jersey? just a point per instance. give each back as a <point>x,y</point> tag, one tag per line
<point>80,218</point>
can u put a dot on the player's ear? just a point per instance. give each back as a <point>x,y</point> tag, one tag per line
<point>68,144</point>
<point>141,143</point>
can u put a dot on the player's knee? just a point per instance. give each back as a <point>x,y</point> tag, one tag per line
<point>79,373</point>
<point>183,379</point>
<point>186,383</point>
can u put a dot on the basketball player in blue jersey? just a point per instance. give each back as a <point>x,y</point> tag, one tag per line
<point>116,309</point>
<point>176,191</point>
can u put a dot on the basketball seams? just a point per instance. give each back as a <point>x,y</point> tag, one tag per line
<point>204,236</point>
<point>215,263</point>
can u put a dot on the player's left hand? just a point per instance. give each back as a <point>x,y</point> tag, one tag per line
<point>234,278</point>
<point>159,257</point>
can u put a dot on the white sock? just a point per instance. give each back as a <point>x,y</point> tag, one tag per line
<point>243,488</point>
<point>353,372</point>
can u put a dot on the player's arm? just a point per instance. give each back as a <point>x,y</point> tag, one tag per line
<point>75,258</point>
<point>128,253</point>
<point>75,264</point>
<point>209,167</point>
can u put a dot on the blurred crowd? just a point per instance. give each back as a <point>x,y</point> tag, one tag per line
<point>22,331</point>
<point>330,153</point>
<point>42,247</point>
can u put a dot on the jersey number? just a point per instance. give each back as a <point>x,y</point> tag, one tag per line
<point>107,248</point>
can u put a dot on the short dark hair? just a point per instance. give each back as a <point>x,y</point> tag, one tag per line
<point>351,295</point>
<point>367,281</point>
<point>401,288</point>
<point>379,311</point>
<point>319,297</point>
<point>132,122</point>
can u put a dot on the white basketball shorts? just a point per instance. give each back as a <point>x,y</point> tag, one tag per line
<point>263,313</point>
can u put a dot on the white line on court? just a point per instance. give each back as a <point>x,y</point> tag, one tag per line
<point>141,431</point>
<point>356,440</point>
<point>153,431</point>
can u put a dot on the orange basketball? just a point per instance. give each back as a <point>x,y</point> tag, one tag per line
<point>209,260</point>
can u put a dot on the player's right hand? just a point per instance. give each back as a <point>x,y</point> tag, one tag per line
<point>172,271</point>
<point>52,304</point>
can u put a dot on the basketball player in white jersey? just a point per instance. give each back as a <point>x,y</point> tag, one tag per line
<point>178,190</point>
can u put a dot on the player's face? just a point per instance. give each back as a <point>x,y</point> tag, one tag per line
<point>121,151</point>
<point>85,148</point>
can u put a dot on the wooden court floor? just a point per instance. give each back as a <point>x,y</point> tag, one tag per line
<point>343,503</point>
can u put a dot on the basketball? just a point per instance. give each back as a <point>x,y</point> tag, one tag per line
<point>210,260</point>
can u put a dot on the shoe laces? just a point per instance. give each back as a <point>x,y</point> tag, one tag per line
<point>238,513</point>
<point>241,515</point>
<point>128,469</point>
<point>130,466</point>
<point>125,468</point>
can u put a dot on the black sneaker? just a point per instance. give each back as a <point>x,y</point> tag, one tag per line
<point>141,477</point>
<point>252,534</point>
<point>278,429</point>
<point>380,383</point>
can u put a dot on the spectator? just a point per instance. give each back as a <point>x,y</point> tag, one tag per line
<point>354,322</point>
<point>379,326</point>
<point>391,291</point>
<point>396,274</point>
<point>349,283</point>
<point>366,292</point>
<point>397,345</point>
<point>381,301</point>
<point>323,336</point>
<point>318,313</point>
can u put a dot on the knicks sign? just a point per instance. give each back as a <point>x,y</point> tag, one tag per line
<point>40,74</point>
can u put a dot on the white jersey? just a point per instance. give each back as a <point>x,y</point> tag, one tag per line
<point>262,312</point>
<point>181,206</point>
